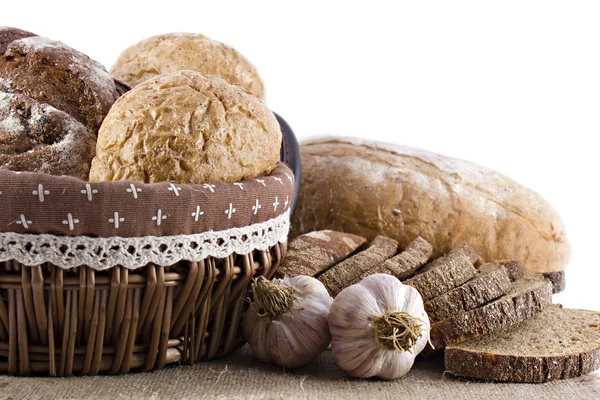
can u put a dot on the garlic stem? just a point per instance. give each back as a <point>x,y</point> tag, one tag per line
<point>271,299</point>
<point>398,330</point>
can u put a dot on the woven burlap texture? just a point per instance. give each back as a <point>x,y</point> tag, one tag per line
<point>241,377</point>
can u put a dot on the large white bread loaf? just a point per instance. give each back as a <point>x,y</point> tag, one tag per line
<point>369,189</point>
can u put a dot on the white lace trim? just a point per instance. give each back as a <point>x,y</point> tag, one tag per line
<point>103,253</point>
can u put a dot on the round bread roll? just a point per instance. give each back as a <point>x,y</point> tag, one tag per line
<point>37,137</point>
<point>186,51</point>
<point>53,73</point>
<point>185,127</point>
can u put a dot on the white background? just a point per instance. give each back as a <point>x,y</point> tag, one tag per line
<point>513,85</point>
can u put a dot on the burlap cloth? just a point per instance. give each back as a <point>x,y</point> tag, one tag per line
<point>241,377</point>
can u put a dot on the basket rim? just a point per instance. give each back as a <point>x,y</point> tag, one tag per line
<point>101,253</point>
<point>37,203</point>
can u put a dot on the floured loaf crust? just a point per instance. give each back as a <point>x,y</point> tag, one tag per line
<point>37,137</point>
<point>187,51</point>
<point>51,72</point>
<point>186,127</point>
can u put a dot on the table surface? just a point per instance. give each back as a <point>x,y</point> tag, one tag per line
<point>239,376</point>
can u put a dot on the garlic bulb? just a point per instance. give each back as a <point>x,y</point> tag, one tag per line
<point>286,323</point>
<point>378,327</point>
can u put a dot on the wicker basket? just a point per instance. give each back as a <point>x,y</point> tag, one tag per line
<point>75,300</point>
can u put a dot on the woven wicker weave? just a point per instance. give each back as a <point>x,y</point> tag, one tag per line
<point>82,321</point>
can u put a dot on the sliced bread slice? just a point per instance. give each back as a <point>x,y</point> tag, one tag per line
<point>314,252</point>
<point>491,282</point>
<point>403,265</point>
<point>448,273</point>
<point>528,297</point>
<point>559,343</point>
<point>337,277</point>
<point>515,269</point>
<point>558,280</point>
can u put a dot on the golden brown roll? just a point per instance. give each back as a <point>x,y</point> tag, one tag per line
<point>187,51</point>
<point>188,128</point>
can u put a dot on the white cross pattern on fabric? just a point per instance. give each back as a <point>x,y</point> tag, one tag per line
<point>288,176</point>
<point>287,201</point>
<point>256,207</point>
<point>240,185</point>
<point>209,187</point>
<point>40,192</point>
<point>262,182</point>
<point>278,179</point>
<point>159,217</point>
<point>116,219</point>
<point>70,221</point>
<point>174,189</point>
<point>276,203</point>
<point>196,214</point>
<point>230,211</point>
<point>89,191</point>
<point>24,221</point>
<point>133,190</point>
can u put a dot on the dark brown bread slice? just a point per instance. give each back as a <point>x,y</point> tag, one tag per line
<point>515,269</point>
<point>490,283</point>
<point>528,296</point>
<point>445,276</point>
<point>314,252</point>
<point>464,249</point>
<point>403,265</point>
<point>557,279</point>
<point>339,276</point>
<point>559,343</point>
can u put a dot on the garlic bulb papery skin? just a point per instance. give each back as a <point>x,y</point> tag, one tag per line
<point>378,326</point>
<point>286,323</point>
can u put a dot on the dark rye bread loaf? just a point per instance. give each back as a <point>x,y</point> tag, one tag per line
<point>314,252</point>
<point>559,343</point>
<point>53,73</point>
<point>443,275</point>
<point>337,277</point>
<point>490,283</point>
<point>528,297</point>
<point>37,137</point>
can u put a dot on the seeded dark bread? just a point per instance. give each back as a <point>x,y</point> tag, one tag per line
<point>314,252</point>
<point>37,137</point>
<point>528,297</point>
<point>53,73</point>
<point>402,265</point>
<point>557,279</point>
<point>559,343</point>
<point>339,276</point>
<point>489,284</point>
<point>514,269</point>
<point>369,189</point>
<point>447,273</point>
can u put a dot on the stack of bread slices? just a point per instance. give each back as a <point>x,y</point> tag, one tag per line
<point>492,321</point>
